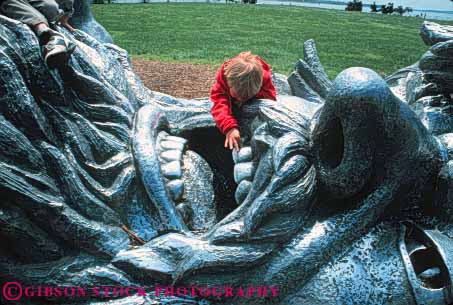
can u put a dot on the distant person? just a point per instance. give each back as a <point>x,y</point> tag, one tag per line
<point>40,15</point>
<point>238,80</point>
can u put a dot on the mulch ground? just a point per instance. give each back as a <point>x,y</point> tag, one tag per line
<point>176,79</point>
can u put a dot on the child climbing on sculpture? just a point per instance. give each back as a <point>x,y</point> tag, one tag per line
<point>238,80</point>
<point>40,16</point>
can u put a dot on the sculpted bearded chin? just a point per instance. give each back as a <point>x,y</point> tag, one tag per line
<point>94,164</point>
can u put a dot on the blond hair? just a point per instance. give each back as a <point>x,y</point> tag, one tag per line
<point>244,74</point>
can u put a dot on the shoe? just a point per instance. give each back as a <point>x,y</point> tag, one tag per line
<point>55,48</point>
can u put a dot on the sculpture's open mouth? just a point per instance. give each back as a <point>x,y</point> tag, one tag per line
<point>195,182</point>
<point>206,175</point>
<point>205,180</point>
<point>187,172</point>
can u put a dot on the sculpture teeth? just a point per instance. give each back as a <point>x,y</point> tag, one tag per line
<point>172,170</point>
<point>243,171</point>
<point>171,150</point>
<point>242,191</point>
<point>171,155</point>
<point>176,189</point>
<point>243,155</point>
<point>161,135</point>
<point>176,139</point>
<point>165,144</point>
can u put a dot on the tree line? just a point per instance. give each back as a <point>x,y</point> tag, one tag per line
<point>389,8</point>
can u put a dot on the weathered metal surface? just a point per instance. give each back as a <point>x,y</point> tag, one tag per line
<point>311,203</point>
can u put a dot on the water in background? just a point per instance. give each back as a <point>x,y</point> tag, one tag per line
<point>432,9</point>
<point>440,5</point>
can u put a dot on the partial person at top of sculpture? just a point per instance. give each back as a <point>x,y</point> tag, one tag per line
<point>238,80</point>
<point>40,16</point>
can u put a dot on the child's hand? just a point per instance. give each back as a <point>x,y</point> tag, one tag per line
<point>233,139</point>
<point>64,22</point>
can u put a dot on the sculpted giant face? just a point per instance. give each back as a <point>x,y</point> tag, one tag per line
<point>93,165</point>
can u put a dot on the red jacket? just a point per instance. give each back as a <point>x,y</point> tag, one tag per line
<point>222,101</point>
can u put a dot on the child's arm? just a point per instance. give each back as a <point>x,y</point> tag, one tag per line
<point>68,7</point>
<point>221,108</point>
<point>64,22</point>
<point>222,114</point>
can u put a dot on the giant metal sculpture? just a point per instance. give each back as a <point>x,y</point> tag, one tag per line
<point>340,194</point>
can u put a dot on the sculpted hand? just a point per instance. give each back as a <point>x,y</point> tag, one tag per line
<point>233,139</point>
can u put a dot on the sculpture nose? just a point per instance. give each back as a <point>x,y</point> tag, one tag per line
<point>346,132</point>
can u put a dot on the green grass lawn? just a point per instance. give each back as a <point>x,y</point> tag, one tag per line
<point>211,33</point>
